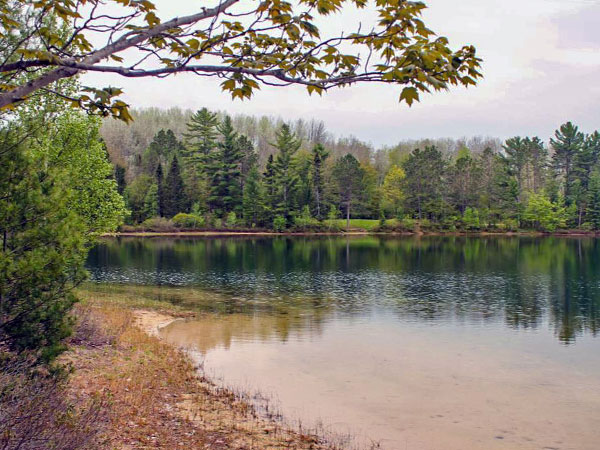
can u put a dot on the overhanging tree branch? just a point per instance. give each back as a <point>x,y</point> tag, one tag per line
<point>274,43</point>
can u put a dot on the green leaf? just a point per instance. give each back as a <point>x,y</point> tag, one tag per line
<point>409,95</point>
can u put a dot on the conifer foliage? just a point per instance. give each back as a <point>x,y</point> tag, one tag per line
<point>218,175</point>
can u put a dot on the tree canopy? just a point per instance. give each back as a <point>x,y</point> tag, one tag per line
<point>246,44</point>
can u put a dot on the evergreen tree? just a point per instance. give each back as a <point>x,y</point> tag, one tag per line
<point>174,199</point>
<point>585,162</point>
<point>464,181</point>
<point>253,199</point>
<point>225,189</point>
<point>594,200</point>
<point>56,196</point>
<point>319,157</point>
<point>348,176</point>
<point>504,191</point>
<point>249,158</point>
<point>119,174</point>
<point>567,144</point>
<point>286,179</point>
<point>201,138</point>
<point>304,190</point>
<point>161,150</point>
<point>270,202</point>
<point>516,155</point>
<point>160,194</point>
<point>425,170</point>
<point>150,207</point>
<point>538,154</point>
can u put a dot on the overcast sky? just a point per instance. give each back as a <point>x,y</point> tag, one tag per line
<point>541,68</point>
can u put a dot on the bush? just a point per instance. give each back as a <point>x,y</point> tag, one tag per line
<point>37,412</point>
<point>470,219</point>
<point>55,198</point>
<point>544,215</point>
<point>403,225</point>
<point>509,225</point>
<point>158,224</point>
<point>183,220</point>
<point>231,220</point>
<point>305,222</point>
<point>279,224</point>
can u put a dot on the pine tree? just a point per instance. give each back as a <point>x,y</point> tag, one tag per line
<point>464,181</point>
<point>348,175</point>
<point>225,189</point>
<point>319,157</point>
<point>253,198</point>
<point>175,200</point>
<point>425,172</point>
<point>160,195</point>
<point>304,191</point>
<point>504,191</point>
<point>150,207</point>
<point>285,177</point>
<point>538,154</point>
<point>161,150</point>
<point>249,158</point>
<point>119,174</point>
<point>567,144</point>
<point>269,190</point>
<point>593,212</point>
<point>201,139</point>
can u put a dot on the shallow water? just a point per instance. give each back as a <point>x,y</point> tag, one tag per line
<point>431,343</point>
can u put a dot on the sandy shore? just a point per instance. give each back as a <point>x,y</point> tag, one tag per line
<point>157,398</point>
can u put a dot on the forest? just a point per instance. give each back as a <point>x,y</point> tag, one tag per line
<point>206,170</point>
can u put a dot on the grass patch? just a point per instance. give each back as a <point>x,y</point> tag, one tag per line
<point>355,224</point>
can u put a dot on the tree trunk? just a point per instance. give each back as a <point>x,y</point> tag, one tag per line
<point>348,214</point>
<point>318,199</point>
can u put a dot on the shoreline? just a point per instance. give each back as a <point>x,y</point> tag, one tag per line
<point>230,233</point>
<point>158,396</point>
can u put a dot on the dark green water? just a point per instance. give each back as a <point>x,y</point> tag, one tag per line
<point>552,284</point>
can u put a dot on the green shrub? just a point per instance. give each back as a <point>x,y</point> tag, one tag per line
<point>407,223</point>
<point>279,223</point>
<point>183,220</point>
<point>544,215</point>
<point>470,219</point>
<point>305,222</point>
<point>509,225</point>
<point>231,220</point>
<point>158,224</point>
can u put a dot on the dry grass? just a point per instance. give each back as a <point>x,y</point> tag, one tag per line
<point>157,399</point>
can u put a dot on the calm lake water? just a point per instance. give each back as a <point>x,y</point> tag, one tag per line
<point>416,343</point>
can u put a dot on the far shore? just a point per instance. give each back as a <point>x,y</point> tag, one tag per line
<point>218,233</point>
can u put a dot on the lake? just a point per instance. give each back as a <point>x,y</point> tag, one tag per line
<point>413,342</point>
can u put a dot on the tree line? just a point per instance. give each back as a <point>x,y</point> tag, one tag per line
<point>212,176</point>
